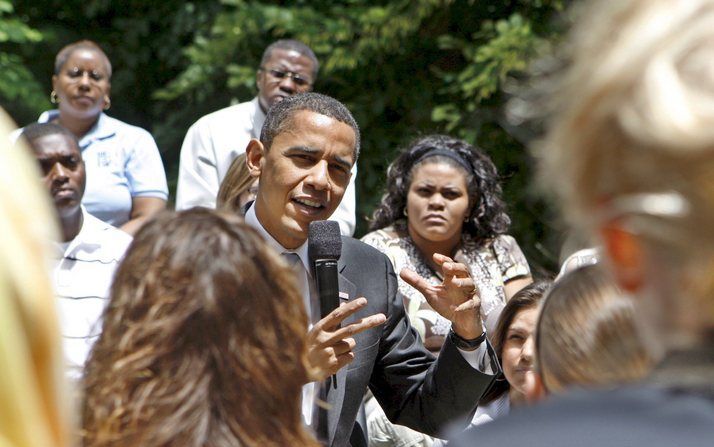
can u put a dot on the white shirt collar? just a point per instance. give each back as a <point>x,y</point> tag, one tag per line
<point>252,219</point>
<point>258,118</point>
<point>66,248</point>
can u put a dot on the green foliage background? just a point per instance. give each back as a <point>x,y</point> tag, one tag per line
<point>404,67</point>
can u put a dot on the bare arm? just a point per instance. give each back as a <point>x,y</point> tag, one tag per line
<point>142,209</point>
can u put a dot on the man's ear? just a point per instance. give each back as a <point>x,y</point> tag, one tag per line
<point>625,251</point>
<point>255,157</point>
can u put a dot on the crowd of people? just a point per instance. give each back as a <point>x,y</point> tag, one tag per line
<point>125,324</point>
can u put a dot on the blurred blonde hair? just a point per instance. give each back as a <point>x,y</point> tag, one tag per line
<point>632,136</point>
<point>586,334</point>
<point>237,181</point>
<point>32,393</point>
<point>636,110</point>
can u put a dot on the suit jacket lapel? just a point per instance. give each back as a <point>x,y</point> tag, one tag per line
<point>336,389</point>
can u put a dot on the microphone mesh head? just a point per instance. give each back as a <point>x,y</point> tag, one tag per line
<point>323,240</point>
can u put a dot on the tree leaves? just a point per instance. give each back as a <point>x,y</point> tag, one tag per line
<point>17,83</point>
<point>403,67</point>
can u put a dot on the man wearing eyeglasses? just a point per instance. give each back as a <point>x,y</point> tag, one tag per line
<point>286,68</point>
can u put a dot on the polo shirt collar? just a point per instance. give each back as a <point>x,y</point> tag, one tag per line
<point>83,236</point>
<point>252,219</point>
<point>102,129</point>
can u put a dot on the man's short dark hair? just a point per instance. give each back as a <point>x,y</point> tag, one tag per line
<point>292,45</point>
<point>280,116</point>
<point>33,131</point>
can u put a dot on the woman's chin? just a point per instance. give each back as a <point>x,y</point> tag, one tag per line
<point>81,111</point>
<point>438,234</point>
<point>435,233</point>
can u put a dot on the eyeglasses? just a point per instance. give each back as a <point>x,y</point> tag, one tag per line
<point>298,79</point>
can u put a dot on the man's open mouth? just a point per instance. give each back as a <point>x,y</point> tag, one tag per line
<point>309,203</point>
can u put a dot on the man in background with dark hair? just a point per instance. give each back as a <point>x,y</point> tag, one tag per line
<point>308,145</point>
<point>286,68</point>
<point>90,250</point>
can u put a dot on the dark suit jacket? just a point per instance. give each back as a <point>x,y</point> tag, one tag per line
<point>413,387</point>
<point>630,417</point>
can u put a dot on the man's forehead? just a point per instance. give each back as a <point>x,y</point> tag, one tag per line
<point>321,120</point>
<point>289,58</point>
<point>290,54</point>
<point>54,145</point>
<point>309,125</point>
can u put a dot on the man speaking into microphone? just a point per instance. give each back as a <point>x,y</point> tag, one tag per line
<point>307,146</point>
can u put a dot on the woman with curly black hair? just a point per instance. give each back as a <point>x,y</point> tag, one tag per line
<point>443,196</point>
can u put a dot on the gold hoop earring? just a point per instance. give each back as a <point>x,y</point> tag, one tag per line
<point>53,97</point>
<point>107,102</point>
<point>405,212</point>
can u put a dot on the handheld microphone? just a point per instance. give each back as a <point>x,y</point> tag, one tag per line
<point>324,247</point>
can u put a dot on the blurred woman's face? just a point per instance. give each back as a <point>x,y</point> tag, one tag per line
<point>437,202</point>
<point>82,84</point>
<point>517,354</point>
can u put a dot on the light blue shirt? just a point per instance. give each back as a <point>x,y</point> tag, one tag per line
<point>122,162</point>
